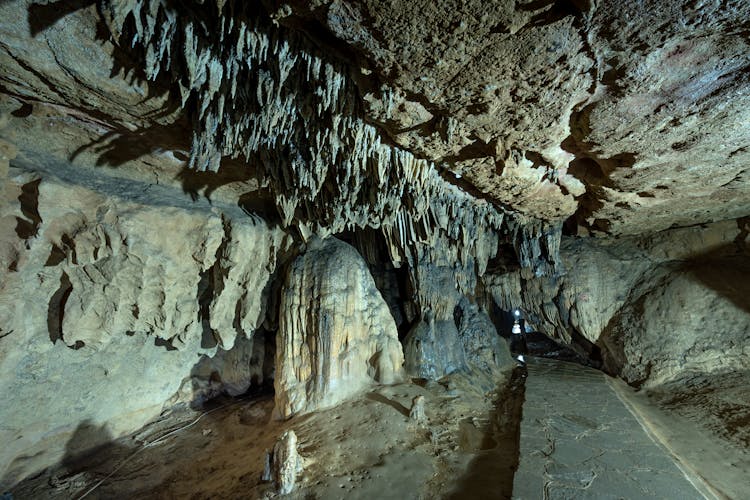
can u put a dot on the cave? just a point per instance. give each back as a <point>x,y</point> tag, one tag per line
<point>273,249</point>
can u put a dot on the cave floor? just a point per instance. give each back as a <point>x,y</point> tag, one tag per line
<point>364,448</point>
<point>580,440</point>
<point>581,435</point>
<point>704,421</point>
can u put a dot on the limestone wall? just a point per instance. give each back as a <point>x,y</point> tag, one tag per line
<point>110,296</point>
<point>651,307</point>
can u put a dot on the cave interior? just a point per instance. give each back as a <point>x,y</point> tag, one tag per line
<point>366,249</point>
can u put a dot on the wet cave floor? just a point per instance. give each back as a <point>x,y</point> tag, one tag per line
<point>549,430</point>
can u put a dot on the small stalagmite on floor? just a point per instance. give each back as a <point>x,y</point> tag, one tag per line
<point>284,463</point>
<point>416,414</point>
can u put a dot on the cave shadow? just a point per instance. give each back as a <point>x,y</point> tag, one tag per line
<point>497,447</point>
<point>28,227</point>
<point>43,15</point>
<point>374,396</point>
<point>542,346</point>
<point>726,271</point>
<point>91,453</point>
<point>56,308</point>
<point>255,355</point>
<point>502,319</point>
<point>120,146</point>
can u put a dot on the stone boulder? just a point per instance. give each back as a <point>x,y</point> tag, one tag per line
<point>691,319</point>
<point>336,334</point>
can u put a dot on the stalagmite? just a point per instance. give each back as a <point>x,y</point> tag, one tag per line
<point>347,200</point>
<point>287,464</point>
<point>416,413</point>
<point>336,333</point>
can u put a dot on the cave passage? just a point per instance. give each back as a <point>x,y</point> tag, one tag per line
<point>366,249</point>
<point>580,440</point>
<point>554,429</point>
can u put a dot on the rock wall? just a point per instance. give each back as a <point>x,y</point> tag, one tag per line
<point>650,308</point>
<point>336,333</point>
<point>112,294</point>
<point>452,154</point>
<point>453,333</point>
<point>120,253</point>
<point>693,317</point>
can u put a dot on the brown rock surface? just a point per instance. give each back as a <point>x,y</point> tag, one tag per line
<point>653,309</point>
<point>160,160</point>
<point>645,103</point>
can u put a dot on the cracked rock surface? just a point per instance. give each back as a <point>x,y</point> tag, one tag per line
<point>642,105</point>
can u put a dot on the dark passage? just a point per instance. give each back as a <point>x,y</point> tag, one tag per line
<point>490,474</point>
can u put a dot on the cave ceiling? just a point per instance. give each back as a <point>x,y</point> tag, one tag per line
<point>620,117</point>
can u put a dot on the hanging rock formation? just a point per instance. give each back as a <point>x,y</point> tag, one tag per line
<point>291,109</point>
<point>336,333</point>
<point>161,161</point>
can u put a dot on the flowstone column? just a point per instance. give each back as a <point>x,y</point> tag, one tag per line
<point>336,333</point>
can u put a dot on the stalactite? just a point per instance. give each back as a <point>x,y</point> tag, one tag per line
<point>263,93</point>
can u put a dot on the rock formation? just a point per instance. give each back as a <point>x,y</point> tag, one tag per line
<point>115,289</point>
<point>336,333</point>
<point>650,309</point>
<point>416,412</point>
<point>200,197</point>
<point>286,464</point>
<point>453,334</point>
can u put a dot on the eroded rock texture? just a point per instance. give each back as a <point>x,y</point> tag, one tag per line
<point>465,341</point>
<point>653,309</point>
<point>336,333</point>
<point>637,109</point>
<point>111,298</point>
<point>287,464</point>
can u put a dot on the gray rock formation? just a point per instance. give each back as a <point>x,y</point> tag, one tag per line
<point>466,342</point>
<point>160,161</point>
<point>433,349</point>
<point>336,333</point>
<point>485,350</point>
<point>416,412</point>
<point>652,308</point>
